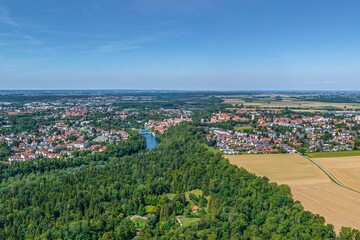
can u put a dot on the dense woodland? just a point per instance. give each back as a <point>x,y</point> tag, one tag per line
<point>94,197</point>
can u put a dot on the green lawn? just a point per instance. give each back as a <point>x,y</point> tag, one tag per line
<point>333,154</point>
<point>187,221</point>
<point>170,195</point>
<point>196,192</point>
<point>242,129</point>
<point>151,209</point>
<point>139,222</point>
<point>212,149</point>
<point>329,108</point>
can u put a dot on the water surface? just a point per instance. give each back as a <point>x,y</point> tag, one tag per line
<point>151,141</point>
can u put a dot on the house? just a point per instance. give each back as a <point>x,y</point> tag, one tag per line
<point>81,145</point>
<point>102,149</point>
<point>159,129</point>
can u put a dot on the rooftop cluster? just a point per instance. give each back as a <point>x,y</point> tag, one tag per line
<point>268,131</point>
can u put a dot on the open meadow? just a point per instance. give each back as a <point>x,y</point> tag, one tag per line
<point>334,154</point>
<point>309,185</point>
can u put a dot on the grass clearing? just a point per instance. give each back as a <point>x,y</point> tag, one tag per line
<point>151,209</point>
<point>309,185</point>
<point>212,149</point>
<point>196,192</point>
<point>244,128</point>
<point>188,221</point>
<point>334,154</point>
<point>139,223</point>
<point>170,195</point>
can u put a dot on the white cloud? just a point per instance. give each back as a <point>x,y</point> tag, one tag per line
<point>6,18</point>
<point>115,47</point>
<point>33,41</point>
<point>17,37</point>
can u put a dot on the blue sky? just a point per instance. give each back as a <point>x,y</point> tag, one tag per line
<point>180,44</point>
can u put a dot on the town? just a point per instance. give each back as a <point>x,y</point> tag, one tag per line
<point>61,140</point>
<point>72,126</point>
<point>162,126</point>
<point>265,131</point>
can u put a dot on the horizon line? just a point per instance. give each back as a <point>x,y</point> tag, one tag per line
<point>182,90</point>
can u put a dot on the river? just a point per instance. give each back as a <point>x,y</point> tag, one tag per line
<point>151,141</point>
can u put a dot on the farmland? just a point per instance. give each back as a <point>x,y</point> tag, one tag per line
<point>295,105</point>
<point>333,154</point>
<point>345,169</point>
<point>281,101</point>
<point>309,185</point>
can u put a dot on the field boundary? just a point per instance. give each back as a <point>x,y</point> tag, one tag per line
<point>332,177</point>
<point>352,153</point>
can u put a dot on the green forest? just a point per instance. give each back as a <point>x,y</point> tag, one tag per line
<point>180,190</point>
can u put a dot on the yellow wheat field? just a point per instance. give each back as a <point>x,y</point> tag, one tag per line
<point>309,185</point>
<point>345,169</point>
<point>292,104</point>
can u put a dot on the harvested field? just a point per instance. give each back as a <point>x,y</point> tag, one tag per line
<point>293,104</point>
<point>309,185</point>
<point>345,169</point>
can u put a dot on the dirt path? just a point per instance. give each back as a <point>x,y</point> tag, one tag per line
<point>331,176</point>
<point>345,169</point>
